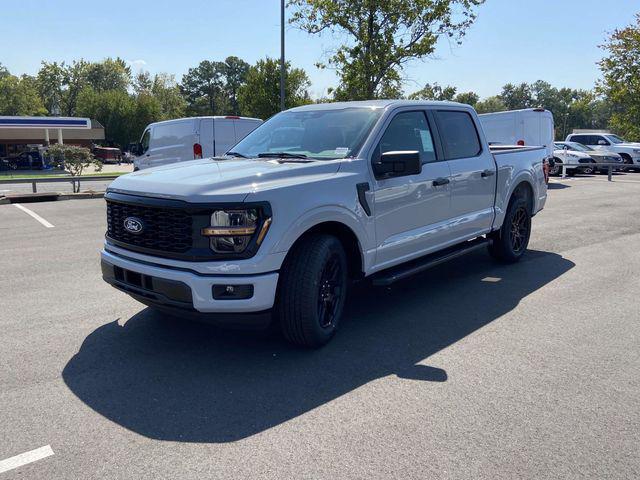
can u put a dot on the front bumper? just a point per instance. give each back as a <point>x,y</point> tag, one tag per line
<point>186,291</point>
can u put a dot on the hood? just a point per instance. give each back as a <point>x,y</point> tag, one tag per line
<point>628,145</point>
<point>229,180</point>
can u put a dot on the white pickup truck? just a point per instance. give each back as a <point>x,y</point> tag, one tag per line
<point>316,197</point>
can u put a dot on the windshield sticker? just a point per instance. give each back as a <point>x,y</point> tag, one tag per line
<point>341,151</point>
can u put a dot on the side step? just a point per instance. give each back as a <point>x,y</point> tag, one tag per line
<point>400,272</point>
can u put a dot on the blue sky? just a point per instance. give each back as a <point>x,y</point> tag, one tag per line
<point>512,40</point>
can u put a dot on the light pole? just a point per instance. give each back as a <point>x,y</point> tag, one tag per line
<point>282,69</point>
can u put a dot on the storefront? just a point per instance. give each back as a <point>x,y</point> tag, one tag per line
<point>20,134</point>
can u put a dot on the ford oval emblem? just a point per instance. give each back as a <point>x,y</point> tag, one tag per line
<point>133,225</point>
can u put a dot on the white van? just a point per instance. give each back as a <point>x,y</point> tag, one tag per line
<point>190,138</point>
<point>529,127</point>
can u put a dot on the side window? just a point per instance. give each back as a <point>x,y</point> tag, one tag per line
<point>144,141</point>
<point>599,138</point>
<point>458,133</point>
<point>409,131</point>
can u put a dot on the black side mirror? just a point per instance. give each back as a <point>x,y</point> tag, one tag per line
<point>398,164</point>
<point>136,149</point>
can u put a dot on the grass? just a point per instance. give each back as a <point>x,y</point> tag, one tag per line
<point>17,175</point>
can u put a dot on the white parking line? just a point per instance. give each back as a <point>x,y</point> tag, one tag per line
<point>34,215</point>
<point>25,458</point>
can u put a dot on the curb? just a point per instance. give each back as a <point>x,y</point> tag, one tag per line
<point>48,197</point>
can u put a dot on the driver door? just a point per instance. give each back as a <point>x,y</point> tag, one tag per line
<point>410,210</point>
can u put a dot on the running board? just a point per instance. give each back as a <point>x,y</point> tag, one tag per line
<point>400,272</point>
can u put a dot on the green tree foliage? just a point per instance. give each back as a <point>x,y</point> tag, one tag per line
<point>19,96</point>
<point>235,74</point>
<point>110,74</point>
<point>434,92</point>
<point>380,36</point>
<point>50,82</point>
<point>259,96</point>
<point>4,71</point>
<point>75,79</point>
<point>74,159</point>
<point>468,98</point>
<point>491,104</point>
<point>166,91</point>
<point>517,96</point>
<point>621,79</point>
<point>202,86</point>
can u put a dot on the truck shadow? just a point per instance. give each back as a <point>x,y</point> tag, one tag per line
<point>181,381</point>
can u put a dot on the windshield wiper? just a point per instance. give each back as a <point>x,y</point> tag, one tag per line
<point>281,155</point>
<point>236,154</point>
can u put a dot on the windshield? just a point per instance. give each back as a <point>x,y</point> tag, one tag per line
<point>615,139</point>
<point>316,134</point>
<point>578,146</point>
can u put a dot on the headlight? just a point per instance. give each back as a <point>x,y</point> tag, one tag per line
<point>571,155</point>
<point>231,231</point>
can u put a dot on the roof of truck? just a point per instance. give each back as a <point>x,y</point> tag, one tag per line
<point>375,104</point>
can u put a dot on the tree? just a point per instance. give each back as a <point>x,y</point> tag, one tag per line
<point>110,74</point>
<point>74,159</point>
<point>235,74</point>
<point>491,104</point>
<point>260,95</point>
<point>469,98</point>
<point>434,92</point>
<point>114,109</point>
<point>75,80</point>
<point>380,36</point>
<point>50,82</point>
<point>167,93</point>
<point>202,86</point>
<point>19,96</point>
<point>142,82</point>
<point>516,97</point>
<point>621,79</point>
<point>4,72</point>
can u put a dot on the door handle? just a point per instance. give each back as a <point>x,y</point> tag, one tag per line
<point>487,173</point>
<point>440,181</point>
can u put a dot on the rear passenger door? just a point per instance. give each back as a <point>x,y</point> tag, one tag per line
<point>410,209</point>
<point>473,174</point>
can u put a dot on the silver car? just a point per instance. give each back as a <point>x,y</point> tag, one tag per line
<point>600,156</point>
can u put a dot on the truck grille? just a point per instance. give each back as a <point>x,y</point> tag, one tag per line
<point>163,229</point>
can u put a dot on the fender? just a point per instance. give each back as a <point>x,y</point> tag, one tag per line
<point>336,214</point>
<point>510,184</point>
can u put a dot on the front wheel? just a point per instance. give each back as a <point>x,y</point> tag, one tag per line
<point>510,242</point>
<point>312,291</point>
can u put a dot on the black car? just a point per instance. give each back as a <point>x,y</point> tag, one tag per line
<point>25,160</point>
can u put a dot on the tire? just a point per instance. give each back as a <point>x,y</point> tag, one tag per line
<point>556,170</point>
<point>504,245</point>
<point>628,162</point>
<point>312,291</point>
<point>589,170</point>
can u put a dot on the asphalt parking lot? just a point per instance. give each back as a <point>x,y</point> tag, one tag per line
<point>471,370</point>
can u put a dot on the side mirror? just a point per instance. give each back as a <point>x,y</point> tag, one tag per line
<point>398,164</point>
<point>602,142</point>
<point>565,148</point>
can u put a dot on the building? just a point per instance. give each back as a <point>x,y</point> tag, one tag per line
<point>18,134</point>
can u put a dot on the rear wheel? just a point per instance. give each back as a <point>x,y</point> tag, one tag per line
<point>510,242</point>
<point>312,291</point>
<point>628,161</point>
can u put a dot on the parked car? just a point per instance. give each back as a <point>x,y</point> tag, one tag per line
<point>576,162</point>
<point>317,196</point>
<point>31,160</point>
<point>629,151</point>
<point>598,156</point>
<point>108,154</point>
<point>185,139</point>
